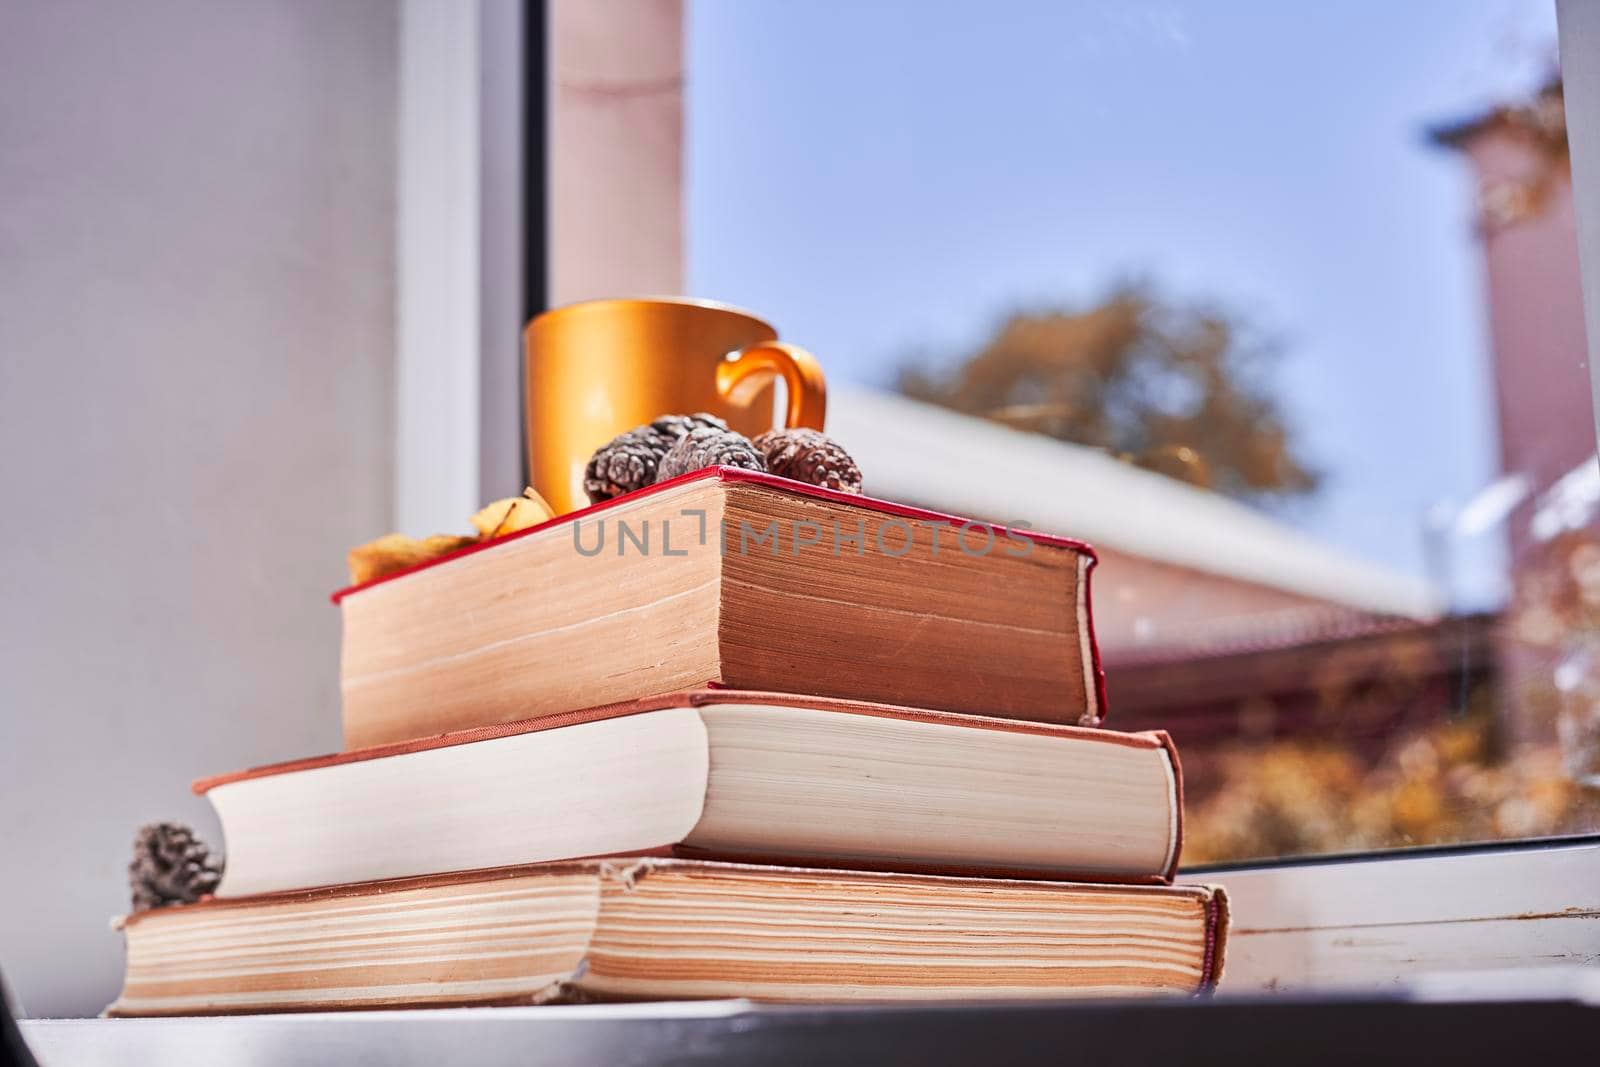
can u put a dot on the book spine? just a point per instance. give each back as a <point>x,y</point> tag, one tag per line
<point>1176,854</point>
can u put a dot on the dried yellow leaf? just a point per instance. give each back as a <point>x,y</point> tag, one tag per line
<point>444,544</point>
<point>530,493</point>
<point>395,552</point>
<point>510,515</point>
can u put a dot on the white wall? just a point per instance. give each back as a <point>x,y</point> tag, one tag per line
<point>196,414</point>
<point>437,343</point>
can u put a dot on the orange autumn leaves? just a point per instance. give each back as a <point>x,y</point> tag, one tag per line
<point>1445,784</point>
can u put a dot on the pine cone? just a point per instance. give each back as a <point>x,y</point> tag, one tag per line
<point>630,460</point>
<point>709,446</point>
<point>170,866</point>
<point>809,456</point>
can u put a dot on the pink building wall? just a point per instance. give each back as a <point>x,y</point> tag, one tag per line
<point>1540,365</point>
<point>616,149</point>
<point>1535,307</point>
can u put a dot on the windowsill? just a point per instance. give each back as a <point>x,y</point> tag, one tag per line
<point>1375,922</point>
<point>1544,1025</point>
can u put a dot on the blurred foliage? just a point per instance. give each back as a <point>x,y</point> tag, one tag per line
<point>1178,390</point>
<point>1558,590</point>
<point>1443,785</point>
<point>1555,618</point>
<point>1509,766</point>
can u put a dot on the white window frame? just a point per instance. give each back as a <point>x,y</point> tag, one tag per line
<point>460,260</point>
<point>1370,922</point>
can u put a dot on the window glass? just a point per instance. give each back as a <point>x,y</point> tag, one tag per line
<point>1284,301</point>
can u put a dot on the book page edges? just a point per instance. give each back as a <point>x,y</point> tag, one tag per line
<point>557,988</point>
<point>641,863</point>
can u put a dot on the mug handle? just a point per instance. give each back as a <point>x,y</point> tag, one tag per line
<point>744,373</point>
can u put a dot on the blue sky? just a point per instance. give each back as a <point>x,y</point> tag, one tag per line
<point>888,178</point>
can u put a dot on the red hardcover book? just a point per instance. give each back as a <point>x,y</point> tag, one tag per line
<point>726,578</point>
<point>754,777</point>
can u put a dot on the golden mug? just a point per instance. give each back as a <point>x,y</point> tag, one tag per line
<point>600,368</point>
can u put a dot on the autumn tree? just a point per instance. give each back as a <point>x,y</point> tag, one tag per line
<point>1179,390</point>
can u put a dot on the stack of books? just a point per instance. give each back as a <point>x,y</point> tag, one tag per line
<point>730,736</point>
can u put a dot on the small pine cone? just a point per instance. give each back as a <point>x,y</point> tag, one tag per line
<point>630,460</point>
<point>170,866</point>
<point>708,446</point>
<point>809,456</point>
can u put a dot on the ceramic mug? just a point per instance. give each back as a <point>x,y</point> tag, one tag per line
<point>602,367</point>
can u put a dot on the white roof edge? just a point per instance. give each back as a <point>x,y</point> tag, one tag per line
<point>936,458</point>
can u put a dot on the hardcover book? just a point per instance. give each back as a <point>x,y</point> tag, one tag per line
<point>669,929</point>
<point>716,774</point>
<point>727,578</point>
